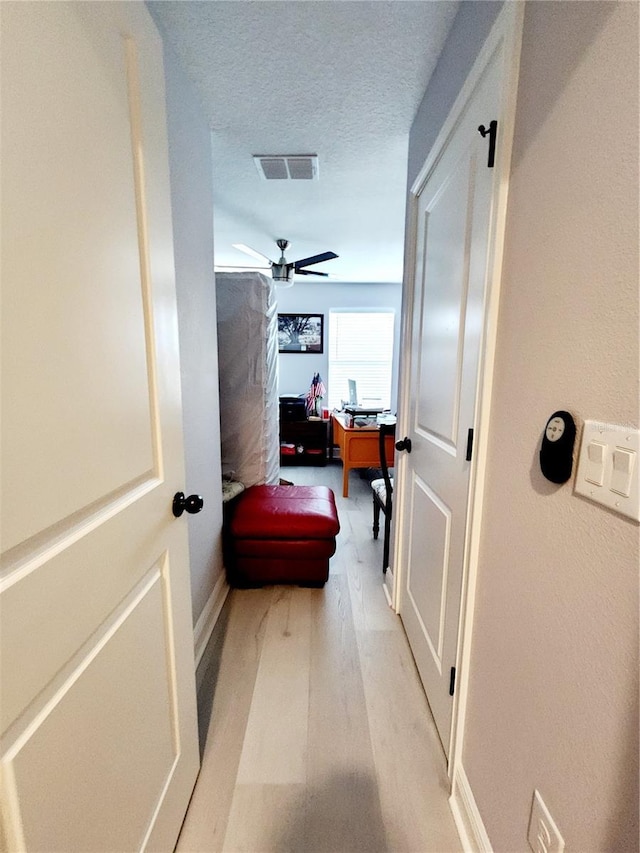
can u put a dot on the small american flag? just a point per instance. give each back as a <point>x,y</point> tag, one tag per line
<point>316,392</point>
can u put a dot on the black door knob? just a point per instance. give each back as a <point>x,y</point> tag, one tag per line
<point>404,444</point>
<point>192,504</point>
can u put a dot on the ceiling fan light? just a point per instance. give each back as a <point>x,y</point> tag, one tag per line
<point>282,274</point>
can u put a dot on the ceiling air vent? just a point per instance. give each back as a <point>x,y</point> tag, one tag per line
<point>287,167</point>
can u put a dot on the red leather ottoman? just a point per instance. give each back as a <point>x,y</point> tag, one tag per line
<point>283,534</point>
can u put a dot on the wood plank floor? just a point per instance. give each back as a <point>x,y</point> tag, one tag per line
<point>320,738</point>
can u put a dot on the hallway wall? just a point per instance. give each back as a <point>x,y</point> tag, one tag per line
<point>554,672</point>
<point>554,687</point>
<point>192,206</point>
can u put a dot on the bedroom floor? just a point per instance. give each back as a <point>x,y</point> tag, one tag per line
<point>320,736</point>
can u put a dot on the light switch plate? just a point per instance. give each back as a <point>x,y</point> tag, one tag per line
<point>614,437</point>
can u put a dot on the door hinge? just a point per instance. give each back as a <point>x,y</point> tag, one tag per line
<point>492,130</point>
<point>469,445</point>
<point>452,681</point>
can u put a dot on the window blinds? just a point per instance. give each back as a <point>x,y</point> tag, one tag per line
<point>361,348</point>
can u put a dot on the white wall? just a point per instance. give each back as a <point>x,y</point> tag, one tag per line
<point>192,206</point>
<point>296,370</point>
<point>554,674</point>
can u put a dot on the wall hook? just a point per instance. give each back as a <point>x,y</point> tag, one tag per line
<point>492,130</point>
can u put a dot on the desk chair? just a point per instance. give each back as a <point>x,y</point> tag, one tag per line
<point>382,489</point>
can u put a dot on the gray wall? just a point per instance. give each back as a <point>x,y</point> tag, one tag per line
<point>192,207</point>
<point>554,672</point>
<point>296,371</point>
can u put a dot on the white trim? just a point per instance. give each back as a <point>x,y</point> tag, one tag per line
<point>207,620</point>
<point>506,32</point>
<point>399,555</point>
<point>385,589</point>
<point>466,815</point>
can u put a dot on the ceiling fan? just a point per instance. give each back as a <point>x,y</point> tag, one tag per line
<point>283,271</point>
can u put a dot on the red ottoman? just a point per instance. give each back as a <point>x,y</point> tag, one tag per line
<point>283,534</point>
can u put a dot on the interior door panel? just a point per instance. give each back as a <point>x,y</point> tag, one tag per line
<point>452,230</point>
<point>98,746</point>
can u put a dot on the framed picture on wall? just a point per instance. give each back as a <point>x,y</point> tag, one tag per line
<point>301,333</point>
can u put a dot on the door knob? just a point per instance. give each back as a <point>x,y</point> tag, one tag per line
<point>192,504</point>
<point>404,444</point>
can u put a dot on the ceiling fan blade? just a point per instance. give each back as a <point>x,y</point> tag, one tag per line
<point>249,251</point>
<point>311,272</point>
<point>314,259</point>
<point>232,267</point>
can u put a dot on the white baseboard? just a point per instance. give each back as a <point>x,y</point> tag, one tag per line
<point>206,621</point>
<point>387,586</point>
<point>385,589</point>
<point>466,815</point>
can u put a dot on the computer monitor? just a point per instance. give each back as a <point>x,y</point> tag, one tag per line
<point>353,392</point>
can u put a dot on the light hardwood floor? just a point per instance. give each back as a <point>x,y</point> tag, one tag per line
<point>320,737</point>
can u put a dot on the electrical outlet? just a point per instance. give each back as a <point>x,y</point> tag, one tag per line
<point>543,836</point>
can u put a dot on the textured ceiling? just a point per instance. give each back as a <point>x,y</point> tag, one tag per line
<point>335,78</point>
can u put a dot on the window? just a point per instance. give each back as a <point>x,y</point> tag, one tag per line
<point>361,348</point>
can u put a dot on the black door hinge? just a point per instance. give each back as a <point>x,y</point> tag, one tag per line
<point>469,445</point>
<point>452,681</point>
<point>492,130</point>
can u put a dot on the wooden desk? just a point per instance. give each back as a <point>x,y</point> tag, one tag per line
<point>358,448</point>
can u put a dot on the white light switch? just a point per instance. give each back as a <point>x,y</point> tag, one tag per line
<point>594,469</point>
<point>608,467</point>
<point>623,465</point>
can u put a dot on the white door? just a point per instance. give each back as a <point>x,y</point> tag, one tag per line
<point>99,735</point>
<point>452,222</point>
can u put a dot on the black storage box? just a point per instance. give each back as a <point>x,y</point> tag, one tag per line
<point>293,409</point>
